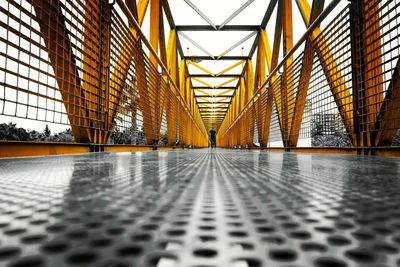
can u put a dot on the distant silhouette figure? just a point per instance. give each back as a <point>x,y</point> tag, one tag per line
<point>213,139</point>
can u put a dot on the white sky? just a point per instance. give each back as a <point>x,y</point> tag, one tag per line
<point>215,42</point>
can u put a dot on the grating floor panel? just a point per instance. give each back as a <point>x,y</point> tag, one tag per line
<point>200,209</point>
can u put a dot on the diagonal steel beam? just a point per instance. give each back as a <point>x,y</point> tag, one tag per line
<point>234,14</point>
<point>237,44</point>
<point>198,11</point>
<point>196,44</point>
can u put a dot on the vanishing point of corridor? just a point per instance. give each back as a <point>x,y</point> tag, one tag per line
<point>197,208</point>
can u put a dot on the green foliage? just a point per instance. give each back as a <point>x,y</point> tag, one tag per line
<point>336,139</point>
<point>10,131</point>
<point>128,136</point>
<point>326,130</point>
<point>47,131</point>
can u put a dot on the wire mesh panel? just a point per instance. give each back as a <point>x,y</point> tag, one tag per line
<point>28,86</point>
<point>377,55</point>
<point>83,63</point>
<point>311,101</point>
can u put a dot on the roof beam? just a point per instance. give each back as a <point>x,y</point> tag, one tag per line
<point>237,12</point>
<point>196,28</point>
<point>205,75</point>
<point>213,107</point>
<point>237,44</point>
<point>220,96</point>
<point>198,11</point>
<point>199,58</point>
<point>210,88</point>
<point>196,44</point>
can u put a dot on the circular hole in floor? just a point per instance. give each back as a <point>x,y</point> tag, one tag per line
<point>240,234</point>
<point>385,248</point>
<point>361,255</point>
<point>180,223</point>
<point>265,229</point>
<point>176,232</point>
<point>15,231</point>
<point>8,252</point>
<point>56,228</point>
<point>141,237</point>
<point>363,235</point>
<point>115,230</point>
<point>300,235</point>
<point>205,253</point>
<point>312,246</point>
<point>206,227</point>
<point>38,222</point>
<point>34,238</point>
<point>129,250</point>
<point>324,229</point>
<point>283,254</point>
<point>114,263</point>
<point>81,257</point>
<point>100,242</point>
<point>338,240</point>
<point>329,262</point>
<point>149,227</point>
<point>77,234</point>
<point>207,238</point>
<point>94,225</point>
<point>55,246</point>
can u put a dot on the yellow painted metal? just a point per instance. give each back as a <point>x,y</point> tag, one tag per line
<point>200,67</point>
<point>29,149</point>
<point>141,9</point>
<point>155,17</point>
<point>225,83</point>
<point>79,95</point>
<point>270,93</point>
<point>304,81</point>
<point>202,82</point>
<point>287,89</point>
<point>373,91</point>
<point>171,112</point>
<point>229,68</point>
<point>387,123</point>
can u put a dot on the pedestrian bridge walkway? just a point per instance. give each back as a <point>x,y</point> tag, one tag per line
<point>195,208</point>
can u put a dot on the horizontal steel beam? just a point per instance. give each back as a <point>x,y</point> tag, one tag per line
<point>210,28</point>
<point>210,88</point>
<point>199,58</point>
<point>217,102</point>
<point>219,96</point>
<point>205,75</point>
<point>213,107</point>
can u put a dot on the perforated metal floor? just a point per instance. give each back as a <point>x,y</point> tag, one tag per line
<point>200,208</point>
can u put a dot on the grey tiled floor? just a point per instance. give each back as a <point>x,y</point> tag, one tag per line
<point>200,208</point>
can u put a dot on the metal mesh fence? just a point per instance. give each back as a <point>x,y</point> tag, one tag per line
<point>342,90</point>
<point>83,63</point>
